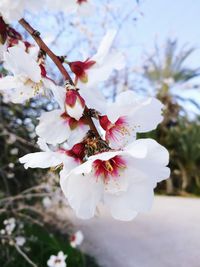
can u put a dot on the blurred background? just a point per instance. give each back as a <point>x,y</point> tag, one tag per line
<point>160,40</point>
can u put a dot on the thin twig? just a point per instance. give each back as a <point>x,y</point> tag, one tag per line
<point>29,218</point>
<point>26,196</point>
<point>34,188</point>
<point>24,256</point>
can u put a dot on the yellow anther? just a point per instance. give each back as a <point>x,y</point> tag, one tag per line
<point>108,166</point>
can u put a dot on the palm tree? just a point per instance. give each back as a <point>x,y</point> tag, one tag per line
<point>164,71</point>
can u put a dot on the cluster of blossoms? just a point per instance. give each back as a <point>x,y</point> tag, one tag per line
<point>10,225</point>
<point>92,143</point>
<point>7,234</point>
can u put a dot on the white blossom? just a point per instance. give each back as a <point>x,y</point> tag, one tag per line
<point>26,81</point>
<point>20,240</point>
<point>128,116</point>
<point>48,158</point>
<point>63,127</point>
<point>14,151</point>
<point>10,225</point>
<point>122,180</point>
<point>76,239</point>
<point>57,261</point>
<point>99,67</point>
<point>14,10</point>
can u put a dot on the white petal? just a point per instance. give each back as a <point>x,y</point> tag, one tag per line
<point>94,98</point>
<point>148,115</point>
<point>19,94</point>
<point>143,115</point>
<point>53,128</point>
<point>121,135</point>
<point>138,197</point>
<point>77,135</point>
<point>42,145</point>
<point>105,46</point>
<point>155,152</point>
<point>83,193</point>
<point>21,63</point>
<point>85,168</point>
<point>8,82</point>
<point>75,112</point>
<point>100,73</point>
<point>41,160</point>
<point>128,97</point>
<point>69,164</point>
<point>120,207</point>
<point>137,149</point>
<point>12,10</point>
<point>155,161</point>
<point>59,93</point>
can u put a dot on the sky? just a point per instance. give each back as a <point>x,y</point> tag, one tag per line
<point>164,18</point>
<point>155,21</point>
<point>170,18</point>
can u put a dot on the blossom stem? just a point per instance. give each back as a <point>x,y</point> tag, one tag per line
<point>24,255</point>
<point>36,36</point>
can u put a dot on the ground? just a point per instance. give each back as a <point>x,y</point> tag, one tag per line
<point>168,236</point>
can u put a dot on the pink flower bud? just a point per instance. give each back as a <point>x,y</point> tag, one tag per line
<point>75,104</point>
<point>79,68</point>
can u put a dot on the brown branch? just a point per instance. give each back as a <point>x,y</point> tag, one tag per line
<point>36,36</point>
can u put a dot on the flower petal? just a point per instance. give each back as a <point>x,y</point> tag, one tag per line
<point>143,115</point>
<point>83,193</point>
<point>42,160</point>
<point>59,93</point>
<point>53,128</point>
<point>77,135</point>
<point>21,63</point>
<point>105,46</point>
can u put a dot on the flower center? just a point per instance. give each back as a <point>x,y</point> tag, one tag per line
<point>108,169</point>
<point>77,152</point>
<point>57,261</point>
<point>35,86</point>
<point>81,1</point>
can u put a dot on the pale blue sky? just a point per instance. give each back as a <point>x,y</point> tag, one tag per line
<point>170,18</point>
<point>156,21</point>
<point>164,18</point>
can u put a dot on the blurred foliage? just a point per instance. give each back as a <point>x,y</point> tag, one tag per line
<point>21,195</point>
<point>17,138</point>
<point>182,140</point>
<point>166,70</point>
<point>40,244</point>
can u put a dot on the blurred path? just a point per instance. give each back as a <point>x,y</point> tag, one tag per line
<point>168,236</point>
